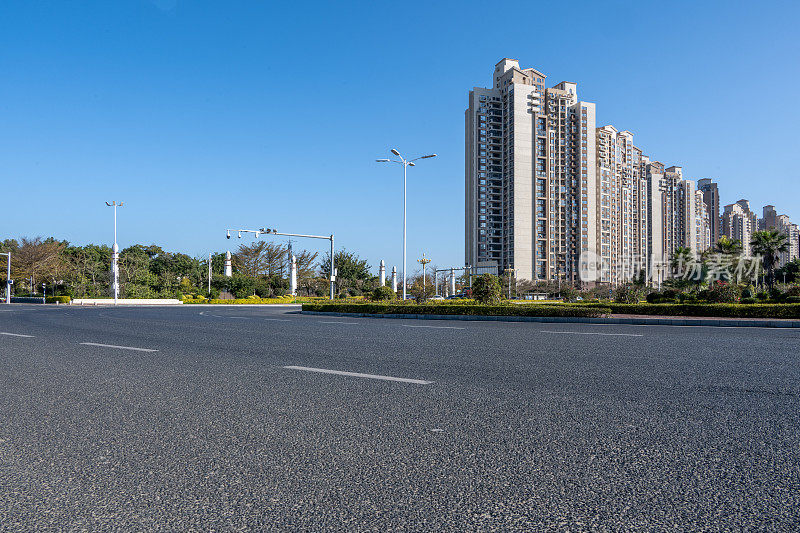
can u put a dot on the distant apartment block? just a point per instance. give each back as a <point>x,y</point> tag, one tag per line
<point>772,220</point>
<point>621,225</point>
<point>677,213</point>
<point>711,199</point>
<point>739,223</point>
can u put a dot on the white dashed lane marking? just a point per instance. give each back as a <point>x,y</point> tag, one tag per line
<point>431,327</point>
<point>118,347</point>
<point>359,375</point>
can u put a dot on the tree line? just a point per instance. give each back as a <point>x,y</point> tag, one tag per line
<point>148,271</point>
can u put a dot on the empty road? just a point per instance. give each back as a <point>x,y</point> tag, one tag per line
<point>254,418</point>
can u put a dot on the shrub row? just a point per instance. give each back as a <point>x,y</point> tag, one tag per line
<point>453,309</point>
<point>59,299</point>
<point>748,310</point>
<point>251,300</point>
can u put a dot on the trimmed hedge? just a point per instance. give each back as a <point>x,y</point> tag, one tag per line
<point>747,310</point>
<point>251,300</point>
<point>453,309</point>
<point>59,299</point>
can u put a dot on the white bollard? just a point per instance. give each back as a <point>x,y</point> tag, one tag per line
<point>228,265</point>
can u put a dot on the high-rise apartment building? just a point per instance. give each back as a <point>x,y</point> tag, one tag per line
<point>659,219</point>
<point>622,211</point>
<point>549,195</point>
<point>711,199</point>
<point>692,220</point>
<point>530,175</point>
<point>772,220</point>
<point>739,223</point>
<point>677,213</point>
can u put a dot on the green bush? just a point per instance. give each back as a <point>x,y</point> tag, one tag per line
<point>629,293</point>
<point>569,293</point>
<point>454,309</point>
<point>748,301</point>
<point>383,294</point>
<point>59,299</point>
<point>486,289</point>
<point>722,292</point>
<point>793,300</point>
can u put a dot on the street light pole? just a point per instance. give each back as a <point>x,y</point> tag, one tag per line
<point>209,274</point>
<point>115,254</point>
<point>333,270</point>
<point>272,231</point>
<point>424,261</point>
<point>406,163</point>
<point>8,276</point>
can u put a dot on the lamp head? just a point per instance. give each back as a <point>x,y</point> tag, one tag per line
<point>228,234</point>
<point>382,160</point>
<point>395,152</point>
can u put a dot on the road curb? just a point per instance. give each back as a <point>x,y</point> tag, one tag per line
<point>655,321</point>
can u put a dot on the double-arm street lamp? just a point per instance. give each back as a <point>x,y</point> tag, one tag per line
<point>272,231</point>
<point>406,163</point>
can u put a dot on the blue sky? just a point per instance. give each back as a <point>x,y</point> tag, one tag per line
<point>206,115</point>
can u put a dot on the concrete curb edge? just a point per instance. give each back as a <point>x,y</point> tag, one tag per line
<point>659,321</point>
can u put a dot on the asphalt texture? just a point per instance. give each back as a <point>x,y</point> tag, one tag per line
<point>523,426</point>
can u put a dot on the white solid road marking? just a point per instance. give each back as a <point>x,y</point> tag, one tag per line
<point>277,319</point>
<point>594,333</point>
<point>322,322</point>
<point>359,375</point>
<point>118,347</point>
<point>16,335</point>
<point>432,327</point>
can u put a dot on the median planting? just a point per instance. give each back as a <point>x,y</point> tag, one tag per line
<point>458,309</point>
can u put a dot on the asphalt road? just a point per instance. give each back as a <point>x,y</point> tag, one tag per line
<point>491,425</point>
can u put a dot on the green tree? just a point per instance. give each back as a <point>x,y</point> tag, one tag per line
<point>769,244</point>
<point>486,289</point>
<point>790,270</point>
<point>421,288</point>
<point>351,270</point>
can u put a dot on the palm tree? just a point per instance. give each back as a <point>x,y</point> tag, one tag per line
<point>681,262</point>
<point>727,246</point>
<point>728,251</point>
<point>768,244</point>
